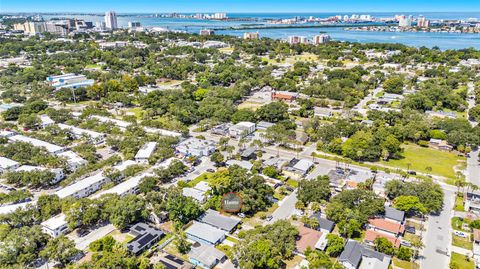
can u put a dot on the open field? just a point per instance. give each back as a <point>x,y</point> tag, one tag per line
<point>421,159</point>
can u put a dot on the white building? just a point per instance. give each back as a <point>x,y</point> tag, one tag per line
<point>195,194</point>
<point>84,187</point>
<point>297,40</point>
<point>251,35</point>
<point>71,80</point>
<point>145,152</point>
<point>404,22</point>
<point>242,129</point>
<point>73,160</point>
<point>206,32</point>
<point>129,186</point>
<point>51,148</point>
<point>46,121</point>
<point>321,39</point>
<point>196,147</point>
<point>55,226</point>
<point>119,123</point>
<point>59,174</point>
<point>111,20</point>
<point>93,137</point>
<point>7,165</point>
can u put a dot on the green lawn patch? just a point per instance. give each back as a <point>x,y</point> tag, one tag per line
<point>462,242</point>
<point>203,177</point>
<point>459,204</point>
<point>231,239</point>
<point>422,159</point>
<point>404,264</point>
<point>458,260</point>
<point>292,183</point>
<point>457,224</point>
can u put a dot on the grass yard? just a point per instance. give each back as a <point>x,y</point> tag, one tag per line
<point>459,204</point>
<point>203,177</point>
<point>227,50</point>
<point>458,222</point>
<point>415,240</point>
<point>461,261</point>
<point>250,105</point>
<point>419,159</point>
<point>136,111</point>
<point>292,183</point>
<point>462,242</point>
<point>404,264</point>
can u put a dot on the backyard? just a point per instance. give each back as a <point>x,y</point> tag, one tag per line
<point>461,261</point>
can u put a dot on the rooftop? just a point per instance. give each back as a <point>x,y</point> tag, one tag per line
<point>6,163</point>
<point>55,222</point>
<point>395,214</point>
<point>80,185</point>
<point>146,150</point>
<point>205,232</point>
<point>206,254</point>
<point>218,220</point>
<point>51,148</point>
<point>307,238</point>
<point>387,225</point>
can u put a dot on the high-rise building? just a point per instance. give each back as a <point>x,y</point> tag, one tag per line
<point>321,39</point>
<point>30,28</point>
<point>297,40</point>
<point>251,35</point>
<point>423,22</point>
<point>404,22</point>
<point>111,20</point>
<point>220,16</point>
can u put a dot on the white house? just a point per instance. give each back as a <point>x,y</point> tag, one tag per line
<point>55,226</point>
<point>93,137</point>
<point>73,160</point>
<point>129,186</point>
<point>241,129</point>
<point>59,174</point>
<point>7,165</point>
<point>46,121</point>
<point>145,152</point>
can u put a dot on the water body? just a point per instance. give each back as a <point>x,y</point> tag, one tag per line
<point>441,40</point>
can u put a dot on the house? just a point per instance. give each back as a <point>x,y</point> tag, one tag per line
<point>73,160</point>
<point>276,162</point>
<point>217,220</point>
<point>170,261</point>
<point>324,225</point>
<point>385,226</point>
<point>71,81</point>
<point>205,233</point>
<point>263,125</point>
<point>92,136</point>
<point>202,186</point>
<point>395,215</point>
<point>55,226</point>
<point>322,112</point>
<point>248,154</point>
<point>472,201</point>
<point>84,187</point>
<point>284,96</point>
<point>7,134</point>
<point>145,236</point>
<point>241,129</point>
<point>196,147</point>
<point>145,152</point>
<point>8,165</point>
<point>356,255</point>
<point>371,235</point>
<point>476,236</point>
<point>307,238</point>
<point>59,174</point>
<point>205,256</point>
<point>46,121</point>
<point>244,164</point>
<point>440,144</point>
<point>198,195</point>
<point>298,168</point>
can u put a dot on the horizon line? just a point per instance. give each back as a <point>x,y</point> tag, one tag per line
<point>231,12</point>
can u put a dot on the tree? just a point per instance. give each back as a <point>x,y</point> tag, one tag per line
<point>351,228</point>
<point>182,209</point>
<point>60,249</point>
<point>217,158</point>
<point>404,253</point>
<point>314,190</point>
<point>335,245</point>
<point>430,194</point>
<point>243,115</point>
<point>410,204</point>
<point>394,84</point>
<point>183,246</point>
<point>270,171</point>
<point>273,112</point>
<point>319,260</point>
<point>384,246</point>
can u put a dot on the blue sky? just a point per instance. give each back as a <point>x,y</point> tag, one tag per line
<point>312,6</point>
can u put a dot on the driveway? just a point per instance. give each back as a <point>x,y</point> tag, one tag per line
<point>82,243</point>
<point>286,208</point>
<point>473,168</point>
<point>438,236</point>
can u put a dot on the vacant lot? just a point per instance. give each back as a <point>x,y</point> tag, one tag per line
<point>427,160</point>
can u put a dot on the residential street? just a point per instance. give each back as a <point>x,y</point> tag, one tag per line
<point>83,242</point>
<point>286,208</point>
<point>438,236</point>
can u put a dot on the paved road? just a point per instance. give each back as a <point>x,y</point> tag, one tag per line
<point>438,235</point>
<point>286,208</point>
<point>473,168</point>
<point>360,106</point>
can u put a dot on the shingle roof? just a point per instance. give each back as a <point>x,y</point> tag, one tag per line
<point>205,232</point>
<point>207,255</point>
<point>386,225</point>
<point>217,220</point>
<point>352,253</point>
<point>395,214</point>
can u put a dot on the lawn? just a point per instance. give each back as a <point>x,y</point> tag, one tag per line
<point>203,177</point>
<point>421,159</point>
<point>457,224</point>
<point>459,204</point>
<point>413,239</point>
<point>404,264</point>
<point>461,261</point>
<point>292,183</point>
<point>462,242</point>
<point>250,105</point>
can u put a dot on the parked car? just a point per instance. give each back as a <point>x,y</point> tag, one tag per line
<point>410,229</point>
<point>405,243</point>
<point>268,218</point>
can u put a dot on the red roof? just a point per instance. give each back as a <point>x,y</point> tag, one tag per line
<point>386,225</point>
<point>307,238</point>
<point>283,96</point>
<point>371,235</point>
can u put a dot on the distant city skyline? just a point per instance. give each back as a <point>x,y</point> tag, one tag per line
<point>236,6</point>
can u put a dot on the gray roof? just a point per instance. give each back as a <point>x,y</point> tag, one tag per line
<point>217,220</point>
<point>354,251</point>
<point>205,232</point>
<point>323,223</point>
<point>395,214</point>
<point>207,255</point>
<point>247,152</point>
<point>144,235</point>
